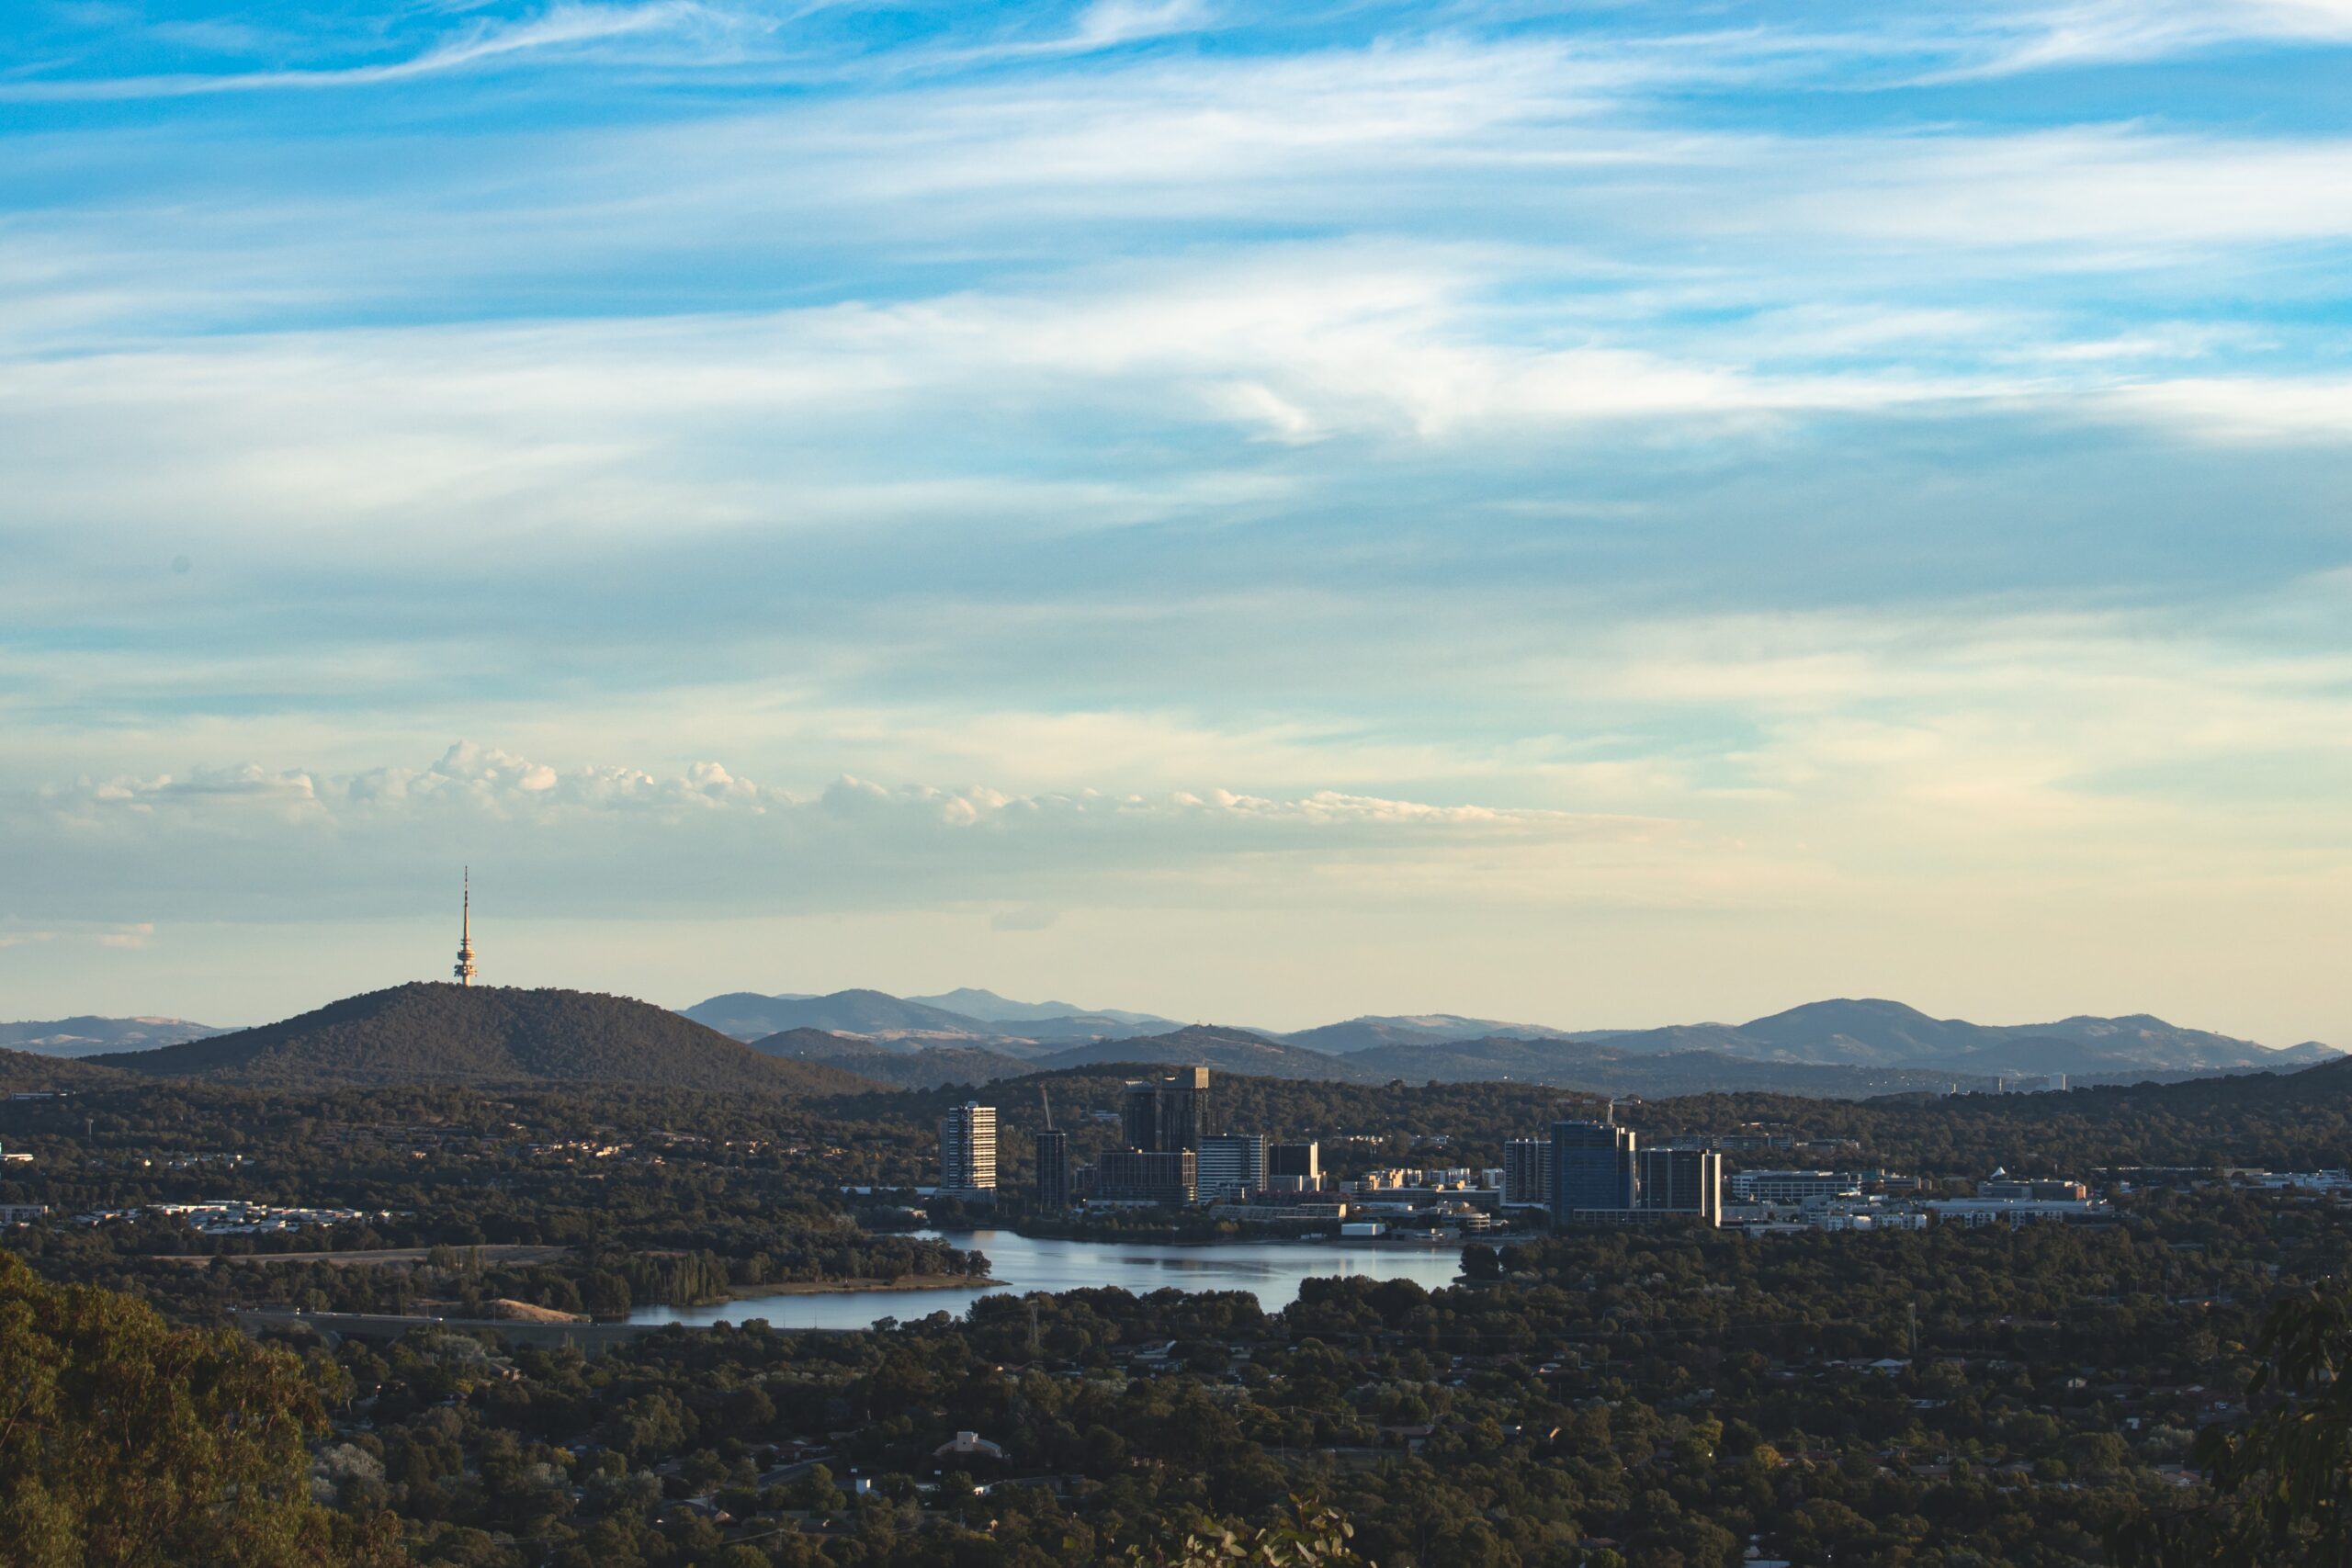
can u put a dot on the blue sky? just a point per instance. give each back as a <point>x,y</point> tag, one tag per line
<point>1606,515</point>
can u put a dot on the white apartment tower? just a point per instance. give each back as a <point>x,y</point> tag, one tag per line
<point>968,1149</point>
<point>1232,1164</point>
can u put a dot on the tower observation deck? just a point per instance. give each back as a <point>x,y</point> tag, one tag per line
<point>465,970</point>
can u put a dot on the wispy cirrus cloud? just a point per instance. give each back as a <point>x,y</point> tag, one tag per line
<point>1600,473</point>
<point>116,936</point>
<point>1999,42</point>
<point>558,28</point>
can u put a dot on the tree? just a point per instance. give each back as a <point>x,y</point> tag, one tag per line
<point>128,1443</point>
<point>2286,1476</point>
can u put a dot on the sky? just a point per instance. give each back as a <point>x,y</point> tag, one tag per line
<point>1600,514</point>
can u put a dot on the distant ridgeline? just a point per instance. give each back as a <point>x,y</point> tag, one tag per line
<point>1828,1050</point>
<point>855,1041</point>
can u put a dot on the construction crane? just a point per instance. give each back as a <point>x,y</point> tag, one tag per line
<point>1045,1100</point>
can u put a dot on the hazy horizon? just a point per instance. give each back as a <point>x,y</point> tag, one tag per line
<point>1606,519</point>
<point>1179,1015</point>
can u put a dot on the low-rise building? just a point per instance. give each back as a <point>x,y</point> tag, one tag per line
<point>1146,1176</point>
<point>2001,1187</point>
<point>1791,1185</point>
<point>967,1446</point>
<point>2016,1211</point>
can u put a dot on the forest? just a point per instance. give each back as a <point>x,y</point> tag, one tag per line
<point>1651,1399</point>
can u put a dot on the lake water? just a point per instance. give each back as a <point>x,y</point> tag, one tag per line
<point>1271,1271</point>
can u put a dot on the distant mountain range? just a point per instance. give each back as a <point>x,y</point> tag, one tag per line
<point>444,1034</point>
<point>860,1039</point>
<point>1883,1034</point>
<point>895,1063</point>
<point>1039,1028</point>
<point>990,1007</point>
<point>749,1016</point>
<point>1842,1048</point>
<point>1600,1067</point>
<point>88,1036</point>
<point>1223,1050</point>
<point>1576,1065</point>
<point>1420,1029</point>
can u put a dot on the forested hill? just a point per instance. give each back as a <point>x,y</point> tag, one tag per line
<point>1601,1067</point>
<point>1221,1050</point>
<point>2286,1121</point>
<point>892,1062</point>
<point>24,1072</point>
<point>446,1034</point>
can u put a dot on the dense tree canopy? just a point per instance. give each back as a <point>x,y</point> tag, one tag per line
<point>128,1443</point>
<point>1956,1398</point>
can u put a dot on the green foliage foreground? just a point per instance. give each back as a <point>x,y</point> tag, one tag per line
<point>1953,1398</point>
<point>2285,1478</point>
<point>125,1442</point>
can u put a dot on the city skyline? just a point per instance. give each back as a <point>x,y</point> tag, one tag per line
<point>1612,518</point>
<point>1437,783</point>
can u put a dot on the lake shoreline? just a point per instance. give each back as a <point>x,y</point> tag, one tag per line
<point>855,1287</point>
<point>1249,1238</point>
<point>1274,1272</point>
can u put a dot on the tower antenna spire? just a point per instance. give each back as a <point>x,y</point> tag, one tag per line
<point>465,970</point>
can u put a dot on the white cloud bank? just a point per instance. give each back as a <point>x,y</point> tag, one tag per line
<point>611,840</point>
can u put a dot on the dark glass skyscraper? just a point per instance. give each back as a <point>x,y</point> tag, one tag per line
<point>1593,1168</point>
<point>1682,1181</point>
<point>1053,1171</point>
<point>1146,1176</point>
<point>1167,1114</point>
<point>1296,1162</point>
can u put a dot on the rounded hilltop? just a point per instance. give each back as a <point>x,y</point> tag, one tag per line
<point>445,1032</point>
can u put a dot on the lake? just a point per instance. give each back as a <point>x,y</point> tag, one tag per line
<point>1271,1271</point>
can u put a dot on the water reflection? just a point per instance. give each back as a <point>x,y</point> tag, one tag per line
<point>1271,1271</point>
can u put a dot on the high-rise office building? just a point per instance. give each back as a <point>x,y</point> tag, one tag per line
<point>967,1150</point>
<point>1527,1173</point>
<point>1148,1176</point>
<point>1139,1115</point>
<point>1163,1114</point>
<point>1593,1168</point>
<point>1231,1165</point>
<point>1682,1181</point>
<point>1294,1167</point>
<point>1053,1171</point>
